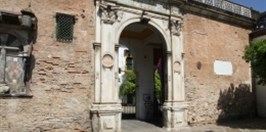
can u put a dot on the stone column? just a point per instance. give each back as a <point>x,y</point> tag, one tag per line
<point>106,109</point>
<point>175,114</point>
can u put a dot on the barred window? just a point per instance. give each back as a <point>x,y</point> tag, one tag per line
<point>64,27</point>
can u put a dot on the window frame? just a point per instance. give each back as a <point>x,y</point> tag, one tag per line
<point>61,29</point>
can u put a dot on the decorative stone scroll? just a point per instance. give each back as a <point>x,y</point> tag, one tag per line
<point>176,27</point>
<point>107,61</point>
<point>110,14</point>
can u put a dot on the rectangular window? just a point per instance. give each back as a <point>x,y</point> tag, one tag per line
<point>64,27</point>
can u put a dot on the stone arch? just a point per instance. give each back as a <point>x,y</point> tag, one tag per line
<point>157,28</point>
<point>152,23</point>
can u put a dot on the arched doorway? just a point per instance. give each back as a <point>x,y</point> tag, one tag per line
<point>162,34</point>
<point>145,60</point>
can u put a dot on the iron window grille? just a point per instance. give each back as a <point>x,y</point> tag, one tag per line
<point>64,27</point>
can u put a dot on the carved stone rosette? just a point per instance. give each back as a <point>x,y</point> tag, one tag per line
<point>176,27</point>
<point>110,14</point>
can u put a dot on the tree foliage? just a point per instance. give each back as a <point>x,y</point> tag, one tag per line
<point>256,54</point>
<point>129,85</point>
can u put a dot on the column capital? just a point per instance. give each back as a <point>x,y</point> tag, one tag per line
<point>110,13</point>
<point>176,26</point>
<point>96,45</point>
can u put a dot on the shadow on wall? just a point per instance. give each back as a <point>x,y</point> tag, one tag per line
<point>236,103</point>
<point>238,108</point>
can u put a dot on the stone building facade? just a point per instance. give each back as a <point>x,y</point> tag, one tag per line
<point>73,85</point>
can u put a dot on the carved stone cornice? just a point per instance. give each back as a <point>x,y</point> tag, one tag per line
<point>110,14</point>
<point>176,26</point>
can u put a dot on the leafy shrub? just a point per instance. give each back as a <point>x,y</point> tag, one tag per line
<point>256,54</point>
<point>129,85</point>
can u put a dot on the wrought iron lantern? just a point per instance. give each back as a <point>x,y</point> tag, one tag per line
<point>27,18</point>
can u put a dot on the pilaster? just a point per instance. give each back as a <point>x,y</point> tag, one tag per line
<point>175,107</point>
<point>106,110</point>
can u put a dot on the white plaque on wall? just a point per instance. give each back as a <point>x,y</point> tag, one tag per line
<point>223,67</point>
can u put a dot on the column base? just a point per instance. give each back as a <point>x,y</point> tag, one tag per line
<point>175,115</point>
<point>106,117</point>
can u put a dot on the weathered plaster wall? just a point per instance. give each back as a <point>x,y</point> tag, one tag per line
<point>61,84</point>
<point>211,97</point>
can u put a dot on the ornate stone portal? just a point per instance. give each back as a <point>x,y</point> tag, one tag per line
<point>112,18</point>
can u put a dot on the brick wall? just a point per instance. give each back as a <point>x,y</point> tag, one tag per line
<point>62,84</point>
<point>62,76</point>
<point>214,97</point>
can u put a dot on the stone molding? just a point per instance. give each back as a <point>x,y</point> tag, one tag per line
<point>96,45</point>
<point>106,108</point>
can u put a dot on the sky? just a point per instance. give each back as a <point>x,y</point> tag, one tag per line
<point>258,5</point>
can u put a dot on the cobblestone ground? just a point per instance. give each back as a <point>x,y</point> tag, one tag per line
<point>254,125</point>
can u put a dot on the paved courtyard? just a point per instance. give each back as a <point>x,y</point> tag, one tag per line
<point>254,125</point>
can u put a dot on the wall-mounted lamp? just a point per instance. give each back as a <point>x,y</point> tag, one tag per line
<point>27,18</point>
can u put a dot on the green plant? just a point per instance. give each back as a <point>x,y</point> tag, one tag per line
<point>129,85</point>
<point>256,54</point>
<point>158,85</point>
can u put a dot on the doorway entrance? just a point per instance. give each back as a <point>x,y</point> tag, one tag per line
<point>149,38</point>
<point>141,70</point>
